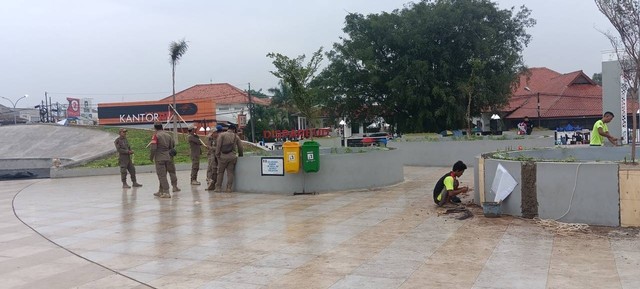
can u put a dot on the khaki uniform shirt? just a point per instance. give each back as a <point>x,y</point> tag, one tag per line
<point>226,138</point>
<point>161,143</point>
<point>194,145</point>
<point>124,149</point>
<point>211,143</point>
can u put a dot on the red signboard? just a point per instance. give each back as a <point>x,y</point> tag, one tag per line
<point>296,133</point>
<point>74,107</point>
<point>242,120</point>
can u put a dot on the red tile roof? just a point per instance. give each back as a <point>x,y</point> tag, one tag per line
<point>561,95</point>
<point>221,93</point>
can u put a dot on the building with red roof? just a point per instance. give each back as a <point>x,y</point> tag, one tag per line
<point>222,93</point>
<point>554,99</point>
<point>230,101</point>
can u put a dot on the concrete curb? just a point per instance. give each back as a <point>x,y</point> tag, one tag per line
<point>64,172</point>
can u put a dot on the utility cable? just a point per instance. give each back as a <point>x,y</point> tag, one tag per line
<point>575,184</point>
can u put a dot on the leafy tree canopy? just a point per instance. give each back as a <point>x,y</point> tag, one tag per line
<point>297,76</point>
<point>257,93</point>
<point>597,78</point>
<point>419,67</point>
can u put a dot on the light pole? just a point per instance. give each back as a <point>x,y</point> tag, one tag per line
<point>250,105</point>
<point>15,120</point>
<point>538,108</point>
<point>342,123</point>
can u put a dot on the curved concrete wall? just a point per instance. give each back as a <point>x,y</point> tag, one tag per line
<point>337,172</point>
<point>446,152</point>
<point>75,143</point>
<point>27,167</point>
<point>27,163</point>
<point>41,165</point>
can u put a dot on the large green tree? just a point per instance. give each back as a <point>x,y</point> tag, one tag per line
<point>428,66</point>
<point>298,77</point>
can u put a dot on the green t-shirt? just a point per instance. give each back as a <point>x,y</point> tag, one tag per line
<point>448,185</point>
<point>596,138</point>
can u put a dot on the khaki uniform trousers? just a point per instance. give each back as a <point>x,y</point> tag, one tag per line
<point>162,168</point>
<point>195,167</point>
<point>127,166</point>
<point>226,162</point>
<point>212,170</point>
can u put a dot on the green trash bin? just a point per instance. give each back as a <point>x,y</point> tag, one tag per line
<point>311,157</point>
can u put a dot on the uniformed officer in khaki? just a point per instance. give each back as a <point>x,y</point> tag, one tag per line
<point>195,145</point>
<point>226,146</point>
<point>125,159</point>
<point>161,143</point>
<point>212,160</point>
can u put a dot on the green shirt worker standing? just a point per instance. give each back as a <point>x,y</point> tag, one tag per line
<point>600,131</point>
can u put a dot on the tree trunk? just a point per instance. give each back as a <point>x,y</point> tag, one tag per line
<point>468,118</point>
<point>635,125</point>
<point>175,117</point>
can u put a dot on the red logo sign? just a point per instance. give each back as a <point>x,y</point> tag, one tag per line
<point>296,134</point>
<point>74,107</point>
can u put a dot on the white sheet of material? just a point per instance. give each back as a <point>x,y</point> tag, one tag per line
<point>503,184</point>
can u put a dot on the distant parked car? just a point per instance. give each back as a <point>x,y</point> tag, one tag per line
<point>380,134</point>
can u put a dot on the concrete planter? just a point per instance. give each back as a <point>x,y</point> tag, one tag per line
<point>338,171</point>
<point>590,186</point>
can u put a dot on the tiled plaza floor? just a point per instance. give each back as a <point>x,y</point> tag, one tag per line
<point>90,233</point>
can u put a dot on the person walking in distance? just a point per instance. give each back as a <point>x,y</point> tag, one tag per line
<point>162,153</point>
<point>226,145</point>
<point>195,145</point>
<point>212,165</point>
<point>125,159</point>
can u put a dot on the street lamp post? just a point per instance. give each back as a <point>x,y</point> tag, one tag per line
<point>538,98</point>
<point>342,123</point>
<point>15,119</point>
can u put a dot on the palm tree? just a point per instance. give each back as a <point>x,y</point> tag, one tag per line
<point>282,99</point>
<point>176,50</point>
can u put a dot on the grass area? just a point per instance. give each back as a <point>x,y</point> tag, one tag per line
<point>138,140</point>
<point>410,137</point>
<point>434,137</point>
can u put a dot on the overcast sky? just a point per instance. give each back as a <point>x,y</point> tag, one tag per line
<point>115,50</point>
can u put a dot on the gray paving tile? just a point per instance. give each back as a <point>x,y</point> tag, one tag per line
<point>255,275</point>
<point>628,266</point>
<point>367,282</point>
<point>512,264</point>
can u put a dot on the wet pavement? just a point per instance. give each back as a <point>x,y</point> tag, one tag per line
<point>89,233</point>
